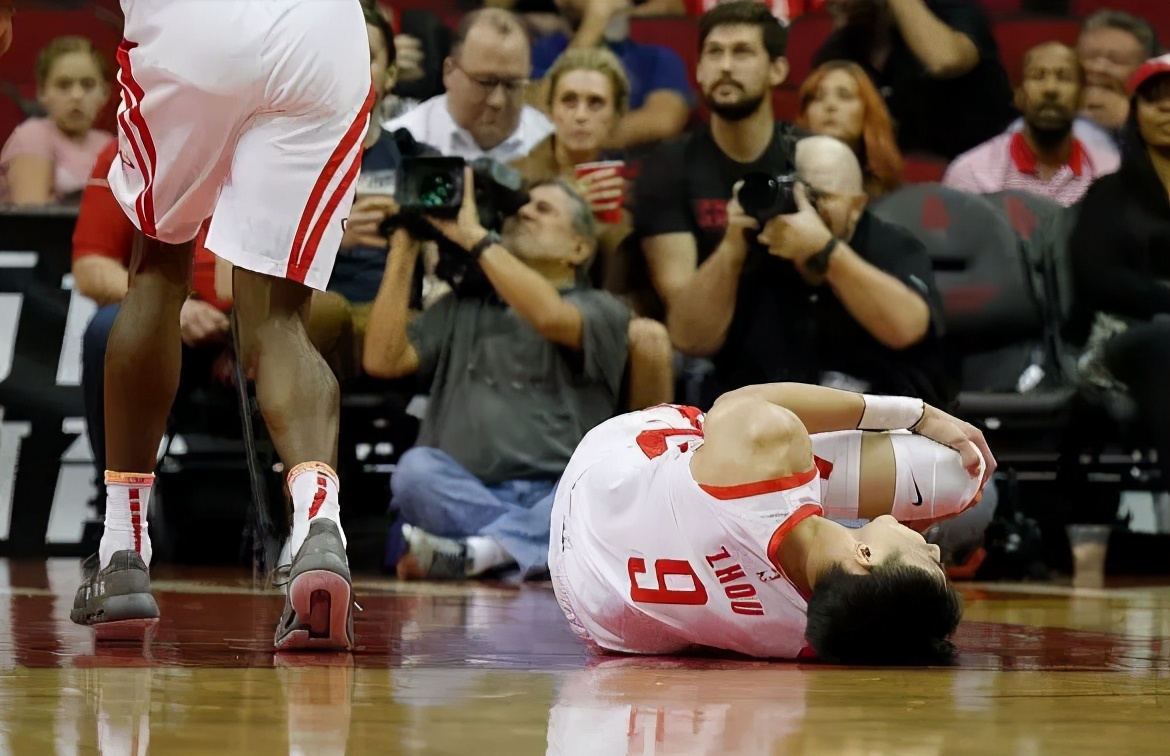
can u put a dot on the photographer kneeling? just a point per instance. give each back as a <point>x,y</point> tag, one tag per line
<point>517,377</point>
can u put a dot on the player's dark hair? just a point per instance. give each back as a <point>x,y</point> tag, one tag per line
<point>746,13</point>
<point>895,615</point>
<point>376,18</point>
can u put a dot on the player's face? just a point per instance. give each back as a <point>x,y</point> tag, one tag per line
<point>74,92</point>
<point>889,539</point>
<point>486,81</point>
<point>583,111</point>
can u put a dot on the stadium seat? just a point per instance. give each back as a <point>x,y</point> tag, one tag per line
<point>786,102</point>
<point>1157,12</point>
<point>996,324</point>
<point>680,33</point>
<point>805,37</point>
<point>1018,34</point>
<point>923,168</point>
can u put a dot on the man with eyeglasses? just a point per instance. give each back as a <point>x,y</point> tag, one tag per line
<point>483,112</point>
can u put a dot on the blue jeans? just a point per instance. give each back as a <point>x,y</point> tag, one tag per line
<point>434,492</point>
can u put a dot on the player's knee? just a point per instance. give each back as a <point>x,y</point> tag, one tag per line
<point>771,435</point>
<point>895,614</point>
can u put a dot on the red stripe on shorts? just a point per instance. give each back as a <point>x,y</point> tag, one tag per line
<point>144,205</point>
<point>300,257</point>
<point>136,519</point>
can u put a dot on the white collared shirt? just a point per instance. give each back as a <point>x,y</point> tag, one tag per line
<point>431,123</point>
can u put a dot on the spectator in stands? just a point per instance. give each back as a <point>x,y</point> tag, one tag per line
<point>937,63</point>
<point>1112,44</point>
<point>660,93</point>
<point>48,159</point>
<point>839,100</point>
<point>516,380</point>
<point>588,94</point>
<point>785,10</point>
<point>1045,158</point>
<point>686,183</point>
<point>7,9</point>
<point>483,112</point>
<point>1121,268</point>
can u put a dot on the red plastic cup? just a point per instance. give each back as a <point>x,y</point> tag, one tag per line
<point>610,212</point>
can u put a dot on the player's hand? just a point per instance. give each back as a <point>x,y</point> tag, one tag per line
<point>365,219</point>
<point>465,231</point>
<point>740,225</point>
<point>602,188</point>
<point>409,57</point>
<point>961,436</point>
<point>799,236</point>
<point>202,323</point>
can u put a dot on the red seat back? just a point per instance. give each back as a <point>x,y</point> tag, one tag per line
<point>805,37</point>
<point>1019,34</point>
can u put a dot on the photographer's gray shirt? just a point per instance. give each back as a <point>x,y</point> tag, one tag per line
<point>507,403</point>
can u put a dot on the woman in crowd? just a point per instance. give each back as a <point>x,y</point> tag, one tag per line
<point>839,100</point>
<point>49,159</point>
<point>588,93</point>
<point>1120,251</point>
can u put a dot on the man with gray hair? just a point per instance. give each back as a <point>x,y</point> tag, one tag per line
<point>483,112</point>
<point>837,297</point>
<point>515,378</point>
<point>1112,45</point>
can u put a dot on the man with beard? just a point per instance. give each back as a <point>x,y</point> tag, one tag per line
<point>767,313</point>
<point>1045,158</point>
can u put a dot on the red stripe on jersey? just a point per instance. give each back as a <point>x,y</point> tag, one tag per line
<point>759,488</point>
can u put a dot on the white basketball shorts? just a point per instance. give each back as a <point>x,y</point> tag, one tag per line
<point>250,112</point>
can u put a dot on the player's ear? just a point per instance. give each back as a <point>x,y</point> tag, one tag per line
<point>862,556</point>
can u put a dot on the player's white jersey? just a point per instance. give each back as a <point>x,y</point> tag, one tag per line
<point>646,560</point>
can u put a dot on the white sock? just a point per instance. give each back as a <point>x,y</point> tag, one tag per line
<point>314,495</point>
<point>485,553</point>
<point>127,502</point>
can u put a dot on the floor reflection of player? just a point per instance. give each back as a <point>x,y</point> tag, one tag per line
<point>672,529</point>
<point>622,707</point>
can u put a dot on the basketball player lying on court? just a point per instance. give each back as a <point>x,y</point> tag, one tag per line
<point>671,529</point>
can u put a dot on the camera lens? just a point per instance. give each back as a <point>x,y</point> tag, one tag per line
<point>758,194</point>
<point>436,190</point>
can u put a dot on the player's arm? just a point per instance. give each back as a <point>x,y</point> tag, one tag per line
<point>822,410</point>
<point>387,351</point>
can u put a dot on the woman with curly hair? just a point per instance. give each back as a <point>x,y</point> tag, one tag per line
<point>839,100</point>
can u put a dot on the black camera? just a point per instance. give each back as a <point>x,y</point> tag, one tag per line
<point>434,186</point>
<point>764,196</point>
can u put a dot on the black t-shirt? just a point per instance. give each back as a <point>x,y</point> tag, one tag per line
<point>943,116</point>
<point>686,183</point>
<point>787,330</point>
<point>783,329</point>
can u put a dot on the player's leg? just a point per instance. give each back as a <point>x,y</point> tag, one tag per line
<point>749,440</point>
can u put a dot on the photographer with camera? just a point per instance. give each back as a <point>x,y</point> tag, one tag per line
<point>517,374</point>
<point>841,298</point>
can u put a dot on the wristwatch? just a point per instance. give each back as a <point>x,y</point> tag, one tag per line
<point>490,238</point>
<point>819,263</point>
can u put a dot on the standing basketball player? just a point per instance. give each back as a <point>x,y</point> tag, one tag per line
<point>671,529</point>
<point>251,113</point>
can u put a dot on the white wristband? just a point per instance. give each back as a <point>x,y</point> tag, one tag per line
<point>884,413</point>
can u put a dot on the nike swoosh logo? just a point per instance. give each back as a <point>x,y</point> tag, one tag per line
<point>917,494</point>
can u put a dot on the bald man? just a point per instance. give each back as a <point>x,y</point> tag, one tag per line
<point>858,308</point>
<point>1045,157</point>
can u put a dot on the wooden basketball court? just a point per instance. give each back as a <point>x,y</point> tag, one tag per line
<point>492,669</point>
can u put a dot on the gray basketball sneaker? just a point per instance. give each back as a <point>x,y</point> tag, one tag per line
<point>116,601</point>
<point>318,608</point>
